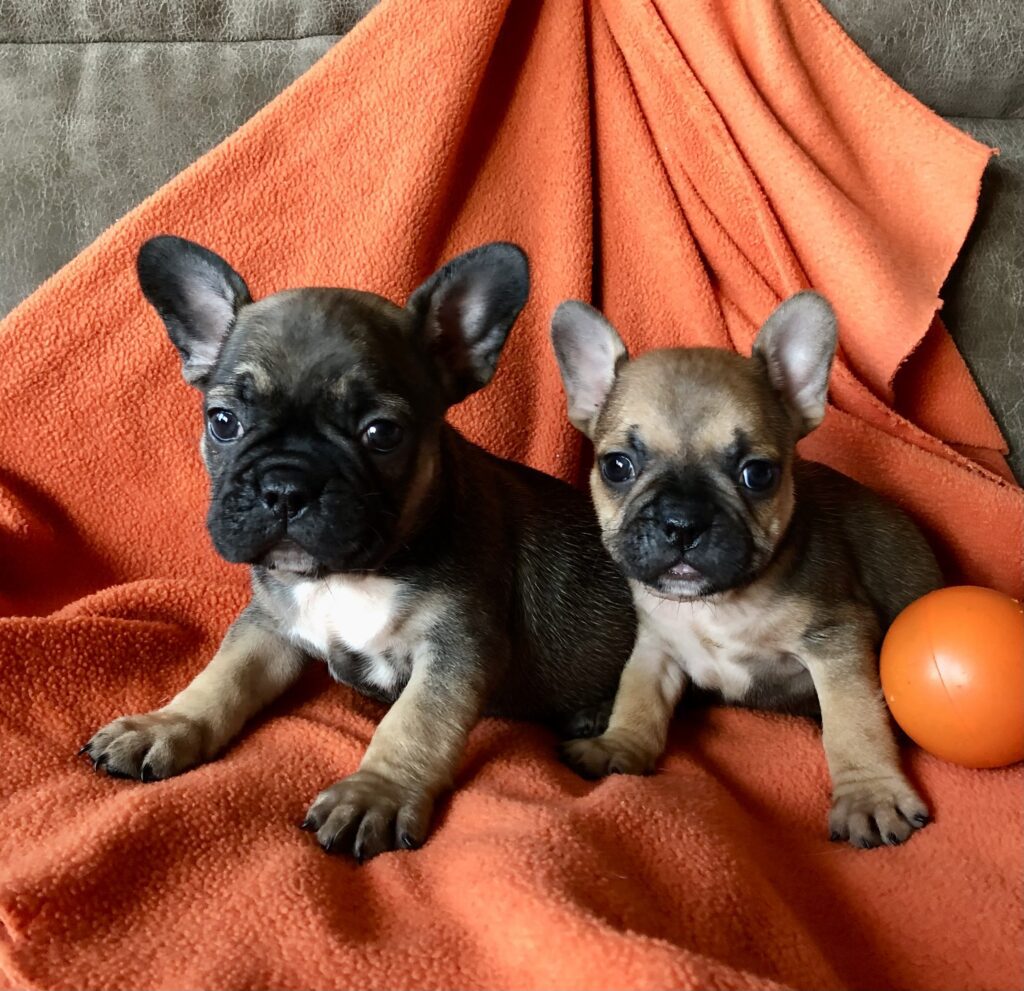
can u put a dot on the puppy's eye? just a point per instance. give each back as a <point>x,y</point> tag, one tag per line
<point>759,476</point>
<point>383,436</point>
<point>224,426</point>
<point>617,469</point>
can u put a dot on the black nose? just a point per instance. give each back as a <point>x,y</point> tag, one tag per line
<point>286,492</point>
<point>684,525</point>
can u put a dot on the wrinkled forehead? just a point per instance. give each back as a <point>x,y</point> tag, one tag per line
<point>693,404</point>
<point>304,341</point>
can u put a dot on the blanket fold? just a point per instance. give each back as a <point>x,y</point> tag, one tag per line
<point>684,165</point>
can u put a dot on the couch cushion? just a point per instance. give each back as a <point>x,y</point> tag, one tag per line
<point>176,20</point>
<point>961,59</point>
<point>984,294</point>
<point>89,128</point>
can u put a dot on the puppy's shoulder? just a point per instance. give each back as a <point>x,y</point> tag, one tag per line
<point>853,539</point>
<point>517,483</point>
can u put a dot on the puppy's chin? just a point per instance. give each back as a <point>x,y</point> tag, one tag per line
<point>289,558</point>
<point>682,581</point>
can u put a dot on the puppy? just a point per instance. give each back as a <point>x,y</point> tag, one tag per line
<point>423,571</point>
<point>763,579</point>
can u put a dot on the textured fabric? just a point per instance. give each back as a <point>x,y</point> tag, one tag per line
<point>88,130</point>
<point>101,103</point>
<point>966,61</point>
<point>705,164</point>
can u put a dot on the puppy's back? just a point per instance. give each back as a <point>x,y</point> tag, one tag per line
<point>892,558</point>
<point>572,623</point>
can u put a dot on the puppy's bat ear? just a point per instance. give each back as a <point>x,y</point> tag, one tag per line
<point>797,344</point>
<point>197,295</point>
<point>466,309</point>
<point>589,353</point>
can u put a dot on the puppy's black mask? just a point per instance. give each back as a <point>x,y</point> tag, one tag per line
<point>689,520</point>
<point>324,406</point>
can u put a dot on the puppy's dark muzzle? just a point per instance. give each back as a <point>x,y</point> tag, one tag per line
<point>682,536</point>
<point>665,531</point>
<point>310,507</point>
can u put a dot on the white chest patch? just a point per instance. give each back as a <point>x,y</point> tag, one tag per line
<point>723,645</point>
<point>360,613</point>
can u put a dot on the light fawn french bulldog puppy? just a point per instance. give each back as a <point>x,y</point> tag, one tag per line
<point>424,571</point>
<point>761,578</point>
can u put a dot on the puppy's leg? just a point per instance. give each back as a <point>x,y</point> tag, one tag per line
<point>872,801</point>
<point>252,667</point>
<point>649,690</point>
<point>410,761</point>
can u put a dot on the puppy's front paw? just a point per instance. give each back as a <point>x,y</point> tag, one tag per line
<point>870,813</point>
<point>367,813</point>
<point>587,722</point>
<point>150,747</point>
<point>613,752</point>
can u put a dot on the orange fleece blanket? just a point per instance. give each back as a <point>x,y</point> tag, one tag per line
<point>686,165</point>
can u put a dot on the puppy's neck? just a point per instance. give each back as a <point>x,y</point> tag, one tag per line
<point>431,508</point>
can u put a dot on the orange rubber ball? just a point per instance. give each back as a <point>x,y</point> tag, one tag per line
<point>952,670</point>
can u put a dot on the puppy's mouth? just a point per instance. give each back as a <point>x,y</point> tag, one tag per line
<point>681,581</point>
<point>684,572</point>
<point>289,558</point>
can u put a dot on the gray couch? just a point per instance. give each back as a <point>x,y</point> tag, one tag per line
<point>101,101</point>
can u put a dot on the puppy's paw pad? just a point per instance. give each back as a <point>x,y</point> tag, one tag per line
<point>149,747</point>
<point>879,812</point>
<point>367,814</point>
<point>610,753</point>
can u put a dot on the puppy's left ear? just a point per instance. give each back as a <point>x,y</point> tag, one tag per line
<point>197,294</point>
<point>466,309</point>
<point>589,353</point>
<point>797,344</point>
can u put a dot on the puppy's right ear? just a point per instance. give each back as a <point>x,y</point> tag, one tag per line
<point>197,295</point>
<point>465,311</point>
<point>589,353</point>
<point>797,344</point>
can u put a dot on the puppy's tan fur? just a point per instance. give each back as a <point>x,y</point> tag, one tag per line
<point>829,563</point>
<point>251,669</point>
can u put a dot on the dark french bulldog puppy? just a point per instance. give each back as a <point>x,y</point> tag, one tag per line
<point>424,571</point>
<point>763,579</point>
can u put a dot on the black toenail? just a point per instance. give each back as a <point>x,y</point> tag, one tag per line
<point>834,836</point>
<point>147,774</point>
